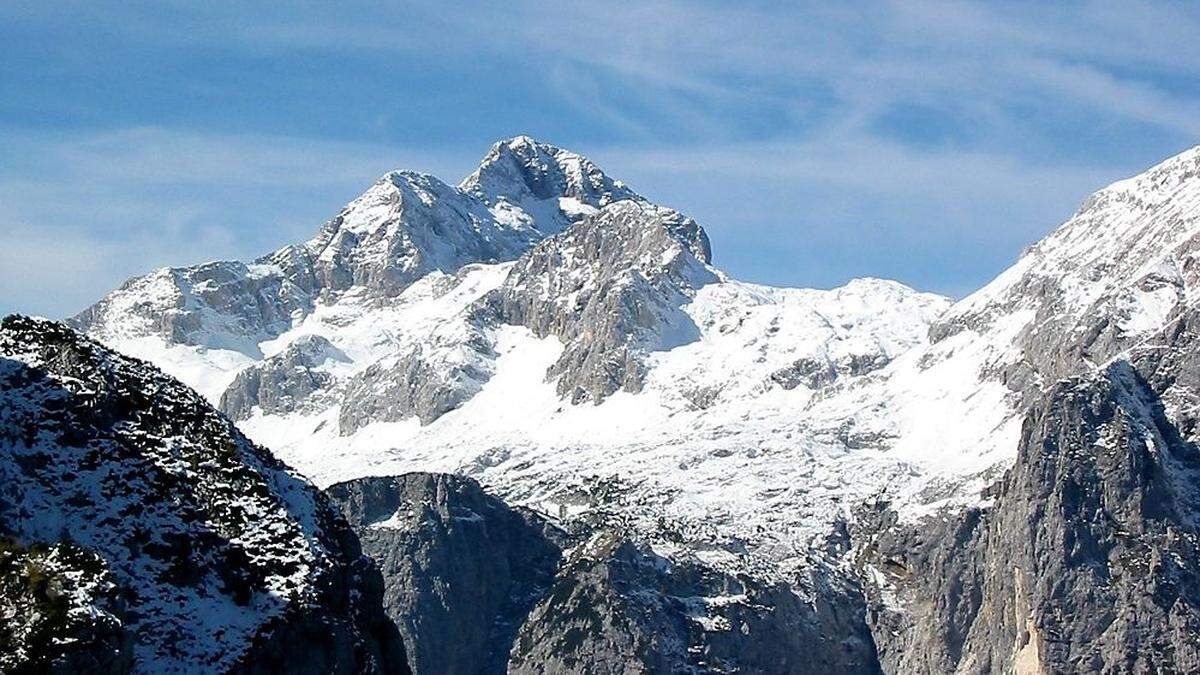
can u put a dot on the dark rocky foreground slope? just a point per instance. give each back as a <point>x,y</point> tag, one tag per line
<point>141,532</point>
<point>479,587</point>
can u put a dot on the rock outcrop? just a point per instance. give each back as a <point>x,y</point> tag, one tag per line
<point>461,568</point>
<point>1088,559</point>
<point>618,607</point>
<point>284,382</point>
<point>610,288</point>
<point>140,529</point>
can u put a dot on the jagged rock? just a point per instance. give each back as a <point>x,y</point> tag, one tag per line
<point>617,607</point>
<point>164,539</point>
<point>816,373</point>
<point>282,383</point>
<point>225,305</point>
<point>554,186</point>
<point>610,288</point>
<point>407,225</point>
<point>461,569</point>
<point>426,381</point>
<point>1089,560</point>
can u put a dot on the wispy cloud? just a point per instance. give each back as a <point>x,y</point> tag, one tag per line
<point>927,140</point>
<point>84,212</point>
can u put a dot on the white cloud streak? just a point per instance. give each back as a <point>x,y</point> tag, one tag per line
<point>82,213</point>
<point>762,122</point>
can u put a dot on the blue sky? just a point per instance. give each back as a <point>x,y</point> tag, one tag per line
<point>927,142</point>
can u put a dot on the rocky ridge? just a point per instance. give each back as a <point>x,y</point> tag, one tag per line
<point>141,532</point>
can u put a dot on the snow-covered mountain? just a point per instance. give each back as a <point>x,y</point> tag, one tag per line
<point>464,329</point>
<point>550,333</point>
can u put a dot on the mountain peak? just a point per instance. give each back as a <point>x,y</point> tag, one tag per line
<point>525,172</point>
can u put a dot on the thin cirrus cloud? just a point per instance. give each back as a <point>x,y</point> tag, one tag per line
<point>920,140</point>
<point>82,214</point>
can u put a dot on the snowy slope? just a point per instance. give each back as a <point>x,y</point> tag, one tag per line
<point>1098,286</point>
<point>741,421</point>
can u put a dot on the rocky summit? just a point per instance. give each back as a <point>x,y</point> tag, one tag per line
<point>570,443</point>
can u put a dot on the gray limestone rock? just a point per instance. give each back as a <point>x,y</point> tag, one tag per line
<point>535,176</point>
<point>617,607</point>
<point>815,373</point>
<point>284,382</point>
<point>461,568</point>
<point>1089,558</point>
<point>610,288</point>
<point>426,381</point>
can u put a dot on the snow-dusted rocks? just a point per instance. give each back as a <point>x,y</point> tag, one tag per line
<point>139,530</point>
<point>285,382</point>
<point>1103,281</point>
<point>406,226</point>
<point>550,186</point>
<point>611,288</point>
<point>219,305</point>
<point>425,380</point>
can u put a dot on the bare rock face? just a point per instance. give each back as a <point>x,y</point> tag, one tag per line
<point>284,382</point>
<point>461,568</point>
<point>427,380</point>
<point>617,607</point>
<point>1089,560</point>
<point>816,373</point>
<point>137,521</point>
<point>554,186</point>
<point>610,288</point>
<point>479,587</point>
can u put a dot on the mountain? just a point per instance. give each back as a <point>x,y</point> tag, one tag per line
<point>403,228</point>
<point>608,348</point>
<point>141,532</point>
<point>884,453</point>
